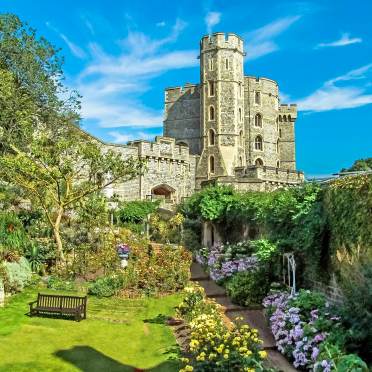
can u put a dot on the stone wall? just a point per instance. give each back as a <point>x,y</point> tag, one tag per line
<point>182,115</point>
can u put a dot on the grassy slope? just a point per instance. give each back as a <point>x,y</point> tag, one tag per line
<point>117,336</point>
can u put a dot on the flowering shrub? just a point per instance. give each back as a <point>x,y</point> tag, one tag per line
<point>18,275</point>
<point>304,328</point>
<point>213,345</point>
<point>225,260</point>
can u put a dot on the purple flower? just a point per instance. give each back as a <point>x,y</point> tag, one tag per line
<point>315,353</point>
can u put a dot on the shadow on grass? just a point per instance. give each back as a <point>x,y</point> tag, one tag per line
<point>159,319</point>
<point>88,359</point>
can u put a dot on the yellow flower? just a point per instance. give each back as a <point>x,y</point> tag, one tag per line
<point>226,356</point>
<point>212,356</point>
<point>263,354</point>
<point>189,368</point>
<point>185,360</point>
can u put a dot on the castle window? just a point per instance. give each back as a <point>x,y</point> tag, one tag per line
<point>284,118</point>
<point>277,146</point>
<point>259,162</point>
<point>211,113</point>
<point>240,90</point>
<point>211,88</point>
<point>227,63</point>
<point>278,164</point>
<point>210,62</point>
<point>211,164</point>
<point>258,120</point>
<point>280,118</point>
<point>240,161</point>
<point>240,115</point>
<point>257,98</point>
<point>241,138</point>
<point>280,133</point>
<point>258,143</point>
<point>211,137</point>
<point>289,117</point>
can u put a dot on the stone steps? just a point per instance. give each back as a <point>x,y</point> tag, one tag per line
<point>255,318</point>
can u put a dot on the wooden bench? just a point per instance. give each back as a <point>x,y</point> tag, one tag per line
<point>59,304</point>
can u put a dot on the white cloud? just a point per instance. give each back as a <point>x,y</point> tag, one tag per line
<point>124,138</point>
<point>343,41</point>
<point>212,19</point>
<point>75,49</point>
<point>260,42</point>
<point>335,97</point>
<point>161,24</point>
<point>111,86</point>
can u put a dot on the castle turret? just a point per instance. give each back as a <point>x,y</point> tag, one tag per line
<point>222,105</point>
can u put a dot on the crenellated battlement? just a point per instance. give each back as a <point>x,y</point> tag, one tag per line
<point>162,147</point>
<point>221,40</point>
<point>174,93</point>
<point>288,111</point>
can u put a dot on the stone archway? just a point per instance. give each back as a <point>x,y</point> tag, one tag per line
<point>163,191</point>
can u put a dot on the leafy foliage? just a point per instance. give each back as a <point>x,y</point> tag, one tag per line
<point>136,211</point>
<point>18,275</point>
<point>248,287</point>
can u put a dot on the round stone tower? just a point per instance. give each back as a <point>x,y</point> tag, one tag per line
<point>222,105</point>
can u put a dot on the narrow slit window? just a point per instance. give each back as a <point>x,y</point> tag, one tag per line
<point>212,137</point>
<point>211,113</point>
<point>211,164</point>
<point>257,98</point>
<point>211,88</point>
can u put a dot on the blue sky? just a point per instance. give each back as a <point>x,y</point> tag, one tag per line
<point>120,55</point>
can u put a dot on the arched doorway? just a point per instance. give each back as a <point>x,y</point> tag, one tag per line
<point>163,191</point>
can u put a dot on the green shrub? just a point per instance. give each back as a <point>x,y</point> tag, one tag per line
<point>136,211</point>
<point>357,309</point>
<point>248,287</point>
<point>60,284</point>
<point>107,286</point>
<point>18,274</point>
<point>13,237</point>
<point>264,249</point>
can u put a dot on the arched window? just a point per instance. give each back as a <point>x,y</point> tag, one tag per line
<point>258,120</point>
<point>280,118</point>
<point>240,115</point>
<point>259,162</point>
<point>211,164</point>
<point>258,143</point>
<point>240,161</point>
<point>280,133</point>
<point>284,118</point>
<point>211,137</point>
<point>289,117</point>
<point>241,138</point>
<point>211,113</point>
<point>278,164</point>
<point>257,98</point>
<point>210,64</point>
<point>211,88</point>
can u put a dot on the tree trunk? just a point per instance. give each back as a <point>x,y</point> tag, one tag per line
<point>57,236</point>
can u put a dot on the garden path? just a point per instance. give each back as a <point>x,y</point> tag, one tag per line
<point>253,317</point>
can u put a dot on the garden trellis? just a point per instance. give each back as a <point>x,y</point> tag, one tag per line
<point>289,271</point>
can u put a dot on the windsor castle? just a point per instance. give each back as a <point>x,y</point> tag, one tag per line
<point>228,129</point>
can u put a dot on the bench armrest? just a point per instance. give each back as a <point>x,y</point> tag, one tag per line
<point>32,303</point>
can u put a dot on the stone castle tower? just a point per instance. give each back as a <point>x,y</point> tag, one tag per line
<point>235,123</point>
<point>228,129</point>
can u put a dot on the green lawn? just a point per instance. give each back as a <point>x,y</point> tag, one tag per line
<point>118,335</point>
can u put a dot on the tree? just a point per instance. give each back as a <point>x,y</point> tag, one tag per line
<point>359,165</point>
<point>61,167</point>
<point>42,149</point>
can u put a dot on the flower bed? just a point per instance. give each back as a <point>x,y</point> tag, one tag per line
<point>215,345</point>
<point>308,331</point>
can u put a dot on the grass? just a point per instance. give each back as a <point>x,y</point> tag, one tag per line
<point>118,335</point>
